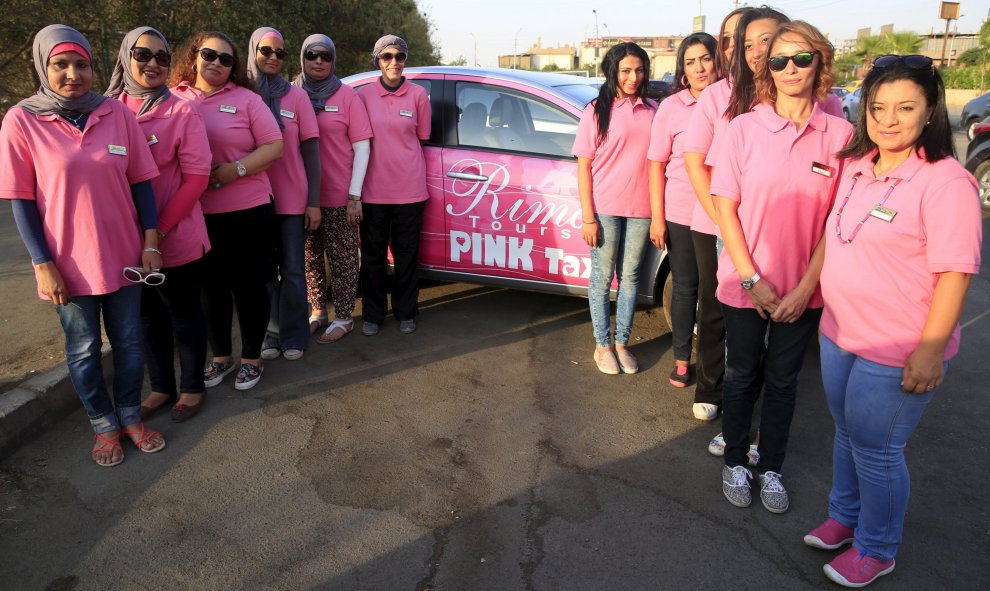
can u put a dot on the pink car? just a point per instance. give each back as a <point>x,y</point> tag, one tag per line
<point>504,207</point>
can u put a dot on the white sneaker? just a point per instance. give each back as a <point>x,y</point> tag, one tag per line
<point>716,446</point>
<point>270,353</point>
<point>704,411</point>
<point>293,354</point>
<point>753,456</point>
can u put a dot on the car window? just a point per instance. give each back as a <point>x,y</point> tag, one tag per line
<point>422,82</point>
<point>499,118</point>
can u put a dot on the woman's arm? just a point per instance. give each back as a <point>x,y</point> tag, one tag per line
<point>362,153</point>
<point>311,163</point>
<point>144,201</point>
<point>794,302</point>
<point>260,159</point>
<point>700,176</point>
<point>923,369</point>
<point>658,222</point>
<point>179,206</point>
<point>589,225</point>
<point>763,294</point>
<point>28,221</point>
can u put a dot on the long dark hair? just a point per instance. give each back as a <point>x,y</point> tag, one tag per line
<point>743,90</point>
<point>721,63</point>
<point>680,81</point>
<point>935,138</point>
<point>610,88</point>
<point>184,67</point>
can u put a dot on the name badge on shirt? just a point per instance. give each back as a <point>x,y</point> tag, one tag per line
<point>882,213</point>
<point>118,150</point>
<point>287,114</point>
<point>152,140</point>
<point>228,109</point>
<point>331,108</point>
<point>405,113</point>
<point>822,169</point>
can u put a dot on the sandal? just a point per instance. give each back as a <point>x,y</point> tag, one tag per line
<point>329,336</point>
<point>316,322</point>
<point>107,444</point>
<point>139,438</point>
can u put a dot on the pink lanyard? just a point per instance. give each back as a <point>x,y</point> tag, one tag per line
<point>838,214</point>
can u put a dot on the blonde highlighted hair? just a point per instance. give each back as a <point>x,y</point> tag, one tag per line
<point>824,78</point>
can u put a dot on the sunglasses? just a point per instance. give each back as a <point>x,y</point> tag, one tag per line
<point>803,59</point>
<point>209,55</point>
<point>143,55</point>
<point>914,61</point>
<point>268,51</point>
<point>312,56</point>
<point>137,275</point>
<point>387,57</point>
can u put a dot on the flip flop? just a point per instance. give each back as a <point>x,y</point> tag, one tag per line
<point>329,336</point>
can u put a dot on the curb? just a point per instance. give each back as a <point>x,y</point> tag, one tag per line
<point>36,404</point>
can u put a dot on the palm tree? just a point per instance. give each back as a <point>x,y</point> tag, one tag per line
<point>868,48</point>
<point>902,42</point>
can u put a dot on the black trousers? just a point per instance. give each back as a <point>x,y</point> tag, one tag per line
<point>398,226</point>
<point>710,363</point>
<point>237,270</point>
<point>173,319</point>
<point>684,300</point>
<point>745,334</point>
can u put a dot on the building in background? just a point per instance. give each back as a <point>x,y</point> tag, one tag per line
<point>662,51</point>
<point>541,58</point>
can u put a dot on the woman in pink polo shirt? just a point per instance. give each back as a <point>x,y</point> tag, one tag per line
<point>345,145</point>
<point>245,140</point>
<point>672,197</point>
<point>611,144</point>
<point>774,180</point>
<point>77,170</point>
<point>172,312</point>
<point>394,189</point>
<point>295,179</point>
<point>902,243</point>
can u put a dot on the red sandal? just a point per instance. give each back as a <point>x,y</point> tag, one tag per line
<point>107,444</point>
<point>139,438</point>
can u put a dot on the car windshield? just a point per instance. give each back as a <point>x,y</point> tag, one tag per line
<point>583,93</point>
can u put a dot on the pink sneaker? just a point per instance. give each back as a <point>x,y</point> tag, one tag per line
<point>853,568</point>
<point>829,535</point>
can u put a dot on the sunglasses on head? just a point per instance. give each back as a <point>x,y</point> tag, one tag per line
<point>209,55</point>
<point>313,55</point>
<point>914,61</point>
<point>387,57</point>
<point>143,55</point>
<point>803,59</point>
<point>137,275</point>
<point>268,51</point>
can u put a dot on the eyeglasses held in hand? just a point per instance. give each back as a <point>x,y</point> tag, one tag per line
<point>209,55</point>
<point>268,51</point>
<point>802,60</point>
<point>143,55</point>
<point>387,57</point>
<point>913,61</point>
<point>312,56</point>
<point>137,275</point>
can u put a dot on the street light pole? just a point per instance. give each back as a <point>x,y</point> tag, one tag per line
<point>475,63</point>
<point>515,50</point>
<point>598,42</point>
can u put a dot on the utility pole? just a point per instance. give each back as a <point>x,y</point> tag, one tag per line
<point>598,42</point>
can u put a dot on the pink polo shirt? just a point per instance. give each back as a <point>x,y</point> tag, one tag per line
<point>707,122</point>
<point>878,288</point>
<point>80,182</point>
<point>620,174</point>
<point>399,121</point>
<point>343,121</point>
<point>667,145</point>
<point>177,139</point>
<point>769,167</point>
<point>833,105</point>
<point>287,174</point>
<point>237,122</point>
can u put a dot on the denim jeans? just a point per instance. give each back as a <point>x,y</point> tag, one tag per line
<point>621,244</point>
<point>81,323</point>
<point>874,419</point>
<point>288,323</point>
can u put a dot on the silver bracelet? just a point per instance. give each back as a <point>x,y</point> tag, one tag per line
<point>153,249</point>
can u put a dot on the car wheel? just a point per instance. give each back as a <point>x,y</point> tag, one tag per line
<point>846,111</point>
<point>971,128</point>
<point>667,298</point>
<point>982,174</point>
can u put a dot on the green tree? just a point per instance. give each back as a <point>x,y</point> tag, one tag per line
<point>901,42</point>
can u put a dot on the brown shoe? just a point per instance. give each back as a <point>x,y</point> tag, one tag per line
<point>149,411</point>
<point>184,412</point>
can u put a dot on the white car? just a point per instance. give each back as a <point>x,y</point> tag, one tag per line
<point>850,105</point>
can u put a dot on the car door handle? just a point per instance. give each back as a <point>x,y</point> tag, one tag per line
<point>467,176</point>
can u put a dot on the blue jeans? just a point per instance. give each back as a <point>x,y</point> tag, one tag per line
<point>874,419</point>
<point>288,324</point>
<point>83,341</point>
<point>621,243</point>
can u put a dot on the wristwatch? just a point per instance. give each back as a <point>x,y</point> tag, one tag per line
<point>241,169</point>
<point>749,283</point>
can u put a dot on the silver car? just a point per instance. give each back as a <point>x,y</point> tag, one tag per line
<point>850,105</point>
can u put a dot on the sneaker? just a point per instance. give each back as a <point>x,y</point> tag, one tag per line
<point>735,485</point>
<point>772,492</point>
<point>290,354</point>
<point>716,446</point>
<point>627,361</point>
<point>215,373</point>
<point>704,411</point>
<point>249,375</point>
<point>853,568</point>
<point>753,456</point>
<point>606,361</point>
<point>370,329</point>
<point>829,535</point>
<point>270,353</point>
<point>679,379</point>
<point>407,326</point>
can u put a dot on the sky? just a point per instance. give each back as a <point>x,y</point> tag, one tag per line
<point>507,26</point>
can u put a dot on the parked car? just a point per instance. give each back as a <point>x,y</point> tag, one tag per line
<point>504,207</point>
<point>974,112</point>
<point>978,160</point>
<point>839,91</point>
<point>850,105</point>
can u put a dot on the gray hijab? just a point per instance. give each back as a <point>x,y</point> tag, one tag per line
<point>271,87</point>
<point>122,81</point>
<point>384,43</point>
<point>318,90</point>
<point>46,101</point>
